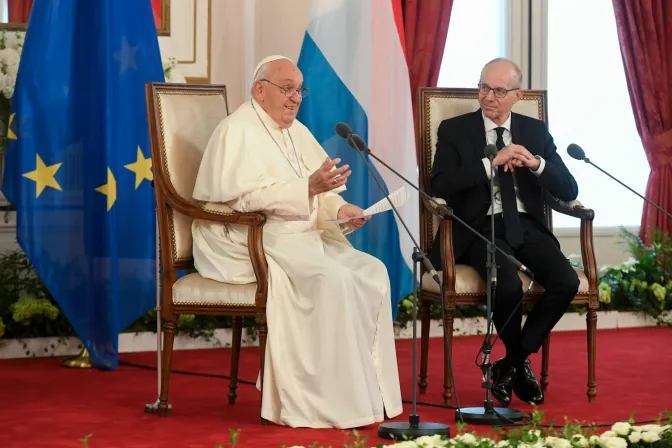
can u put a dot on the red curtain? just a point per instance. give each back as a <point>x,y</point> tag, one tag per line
<point>19,10</point>
<point>645,35</point>
<point>156,9</point>
<point>425,32</point>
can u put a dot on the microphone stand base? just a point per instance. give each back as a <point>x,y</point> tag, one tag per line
<point>408,431</point>
<point>489,417</point>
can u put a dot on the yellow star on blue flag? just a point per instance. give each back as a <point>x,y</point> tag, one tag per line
<point>74,168</point>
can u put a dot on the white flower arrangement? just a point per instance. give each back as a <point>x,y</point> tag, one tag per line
<point>170,71</point>
<point>11,46</point>
<point>621,435</point>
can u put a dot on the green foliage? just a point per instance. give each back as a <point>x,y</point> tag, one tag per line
<point>26,308</point>
<point>405,311</point>
<point>644,282</point>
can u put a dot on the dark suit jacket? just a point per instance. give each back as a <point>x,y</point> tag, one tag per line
<point>459,177</point>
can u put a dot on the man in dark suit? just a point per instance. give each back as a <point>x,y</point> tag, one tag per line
<point>526,165</point>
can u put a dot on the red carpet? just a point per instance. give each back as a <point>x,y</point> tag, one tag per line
<point>45,405</point>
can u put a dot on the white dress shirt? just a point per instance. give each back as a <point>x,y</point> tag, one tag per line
<point>491,138</point>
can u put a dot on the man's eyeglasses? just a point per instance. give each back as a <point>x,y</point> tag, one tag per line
<point>500,92</point>
<point>290,92</point>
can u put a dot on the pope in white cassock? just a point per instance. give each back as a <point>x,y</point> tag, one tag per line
<point>330,357</point>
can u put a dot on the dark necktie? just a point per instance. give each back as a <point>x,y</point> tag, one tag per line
<point>514,231</point>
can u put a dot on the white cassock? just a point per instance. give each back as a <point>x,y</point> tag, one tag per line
<point>330,356</point>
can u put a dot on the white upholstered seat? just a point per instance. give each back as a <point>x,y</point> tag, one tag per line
<point>193,289</point>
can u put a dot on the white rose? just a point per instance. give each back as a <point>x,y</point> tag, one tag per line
<point>579,440</point>
<point>9,56</point>
<point>13,39</point>
<point>405,444</point>
<point>621,428</point>
<point>8,92</point>
<point>613,442</point>
<point>430,441</point>
<point>635,437</point>
<point>650,437</point>
<point>555,442</point>
<point>468,439</point>
<point>503,443</point>
<point>607,434</point>
<point>13,70</point>
<point>651,428</point>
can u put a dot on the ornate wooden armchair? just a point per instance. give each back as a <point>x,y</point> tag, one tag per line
<point>181,120</point>
<point>462,284</point>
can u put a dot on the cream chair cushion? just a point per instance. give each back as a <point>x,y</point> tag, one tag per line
<point>467,281</point>
<point>193,289</point>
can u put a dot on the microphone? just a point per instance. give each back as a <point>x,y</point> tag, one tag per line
<point>343,130</point>
<point>576,152</point>
<point>446,211</point>
<point>490,151</point>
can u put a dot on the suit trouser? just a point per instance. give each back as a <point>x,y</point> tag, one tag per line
<point>551,269</point>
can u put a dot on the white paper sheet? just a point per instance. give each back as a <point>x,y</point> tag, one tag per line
<point>398,198</point>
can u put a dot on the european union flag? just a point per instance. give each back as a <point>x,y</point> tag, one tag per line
<point>78,167</point>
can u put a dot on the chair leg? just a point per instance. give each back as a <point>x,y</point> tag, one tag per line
<point>166,361</point>
<point>591,321</point>
<point>263,332</point>
<point>545,356</point>
<point>237,336</point>
<point>447,352</point>
<point>425,319</point>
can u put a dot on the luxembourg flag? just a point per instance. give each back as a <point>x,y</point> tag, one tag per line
<point>353,62</point>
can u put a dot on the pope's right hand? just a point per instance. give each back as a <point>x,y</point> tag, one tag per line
<point>327,178</point>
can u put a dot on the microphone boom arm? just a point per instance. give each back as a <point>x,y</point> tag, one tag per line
<point>587,160</point>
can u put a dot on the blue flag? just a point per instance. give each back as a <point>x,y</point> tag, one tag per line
<point>352,60</point>
<point>78,166</point>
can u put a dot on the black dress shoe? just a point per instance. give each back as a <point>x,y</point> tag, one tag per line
<point>503,377</point>
<point>526,387</point>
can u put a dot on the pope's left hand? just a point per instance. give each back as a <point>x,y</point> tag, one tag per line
<point>349,211</point>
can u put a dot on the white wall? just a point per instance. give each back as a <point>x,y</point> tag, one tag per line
<point>246,31</point>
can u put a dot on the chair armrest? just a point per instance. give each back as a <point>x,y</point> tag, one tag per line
<point>224,214</point>
<point>586,215</point>
<point>433,207</point>
<point>255,242</point>
<point>573,208</point>
<point>214,212</point>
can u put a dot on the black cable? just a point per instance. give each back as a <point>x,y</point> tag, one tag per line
<point>185,372</point>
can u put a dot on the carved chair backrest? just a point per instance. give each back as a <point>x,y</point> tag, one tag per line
<point>182,118</point>
<point>438,104</point>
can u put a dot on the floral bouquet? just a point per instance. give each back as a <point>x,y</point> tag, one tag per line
<point>644,281</point>
<point>172,75</point>
<point>11,45</point>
